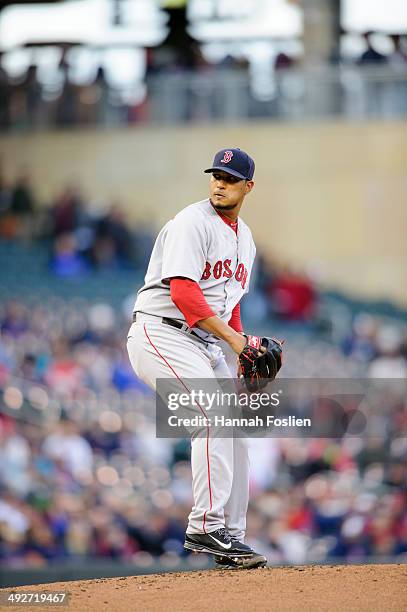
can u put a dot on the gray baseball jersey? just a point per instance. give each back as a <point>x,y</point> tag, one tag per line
<point>198,245</point>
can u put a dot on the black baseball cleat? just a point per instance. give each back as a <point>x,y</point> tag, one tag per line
<point>252,561</point>
<point>218,542</point>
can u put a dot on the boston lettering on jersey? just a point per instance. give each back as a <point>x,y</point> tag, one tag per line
<point>222,269</point>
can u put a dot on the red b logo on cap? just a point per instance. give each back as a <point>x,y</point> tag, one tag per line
<point>227,157</point>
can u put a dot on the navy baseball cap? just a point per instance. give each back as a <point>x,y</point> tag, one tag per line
<point>235,162</point>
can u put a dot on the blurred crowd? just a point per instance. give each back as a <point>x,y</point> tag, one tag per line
<point>82,474</point>
<point>80,239</point>
<point>108,489</point>
<point>183,74</point>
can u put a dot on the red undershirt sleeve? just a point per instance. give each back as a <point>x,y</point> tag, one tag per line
<point>235,321</point>
<point>189,299</point>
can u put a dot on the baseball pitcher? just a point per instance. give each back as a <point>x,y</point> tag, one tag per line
<point>199,270</point>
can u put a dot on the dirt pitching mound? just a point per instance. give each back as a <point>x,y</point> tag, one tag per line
<point>334,588</point>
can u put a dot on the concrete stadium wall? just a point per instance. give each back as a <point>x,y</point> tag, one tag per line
<point>331,197</point>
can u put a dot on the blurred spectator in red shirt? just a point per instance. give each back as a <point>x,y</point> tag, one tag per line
<point>66,210</point>
<point>292,296</point>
